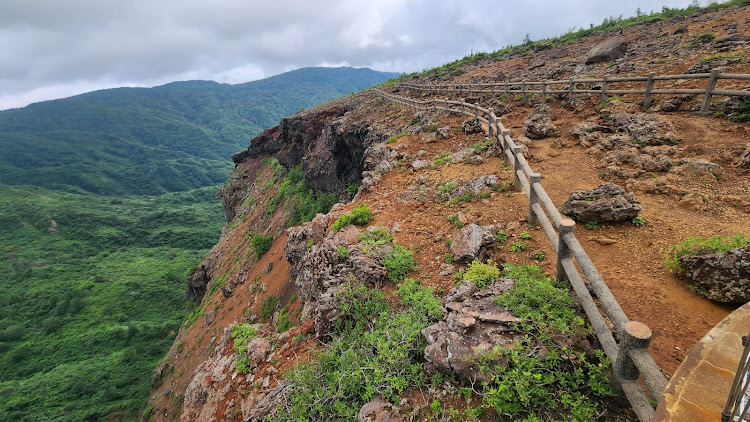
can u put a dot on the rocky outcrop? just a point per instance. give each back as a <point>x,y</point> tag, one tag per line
<point>699,169</point>
<point>473,326</point>
<point>607,202</point>
<point>743,161</point>
<point>197,282</point>
<point>472,126</point>
<point>706,66</point>
<point>645,129</point>
<point>723,277</point>
<point>470,241</point>
<point>607,51</point>
<point>539,124</point>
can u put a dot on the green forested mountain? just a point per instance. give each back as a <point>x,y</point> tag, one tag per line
<point>148,141</point>
<point>93,290</point>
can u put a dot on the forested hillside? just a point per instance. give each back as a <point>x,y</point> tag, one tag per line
<point>149,141</point>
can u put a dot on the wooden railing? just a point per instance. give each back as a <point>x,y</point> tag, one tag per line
<point>630,357</point>
<point>571,86</point>
<point>738,403</point>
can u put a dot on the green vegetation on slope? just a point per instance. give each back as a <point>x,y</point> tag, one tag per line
<point>148,141</point>
<point>93,291</point>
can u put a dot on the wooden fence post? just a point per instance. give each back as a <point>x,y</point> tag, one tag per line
<point>533,198</point>
<point>523,90</point>
<point>649,88</point>
<point>506,161</point>
<point>563,251</point>
<point>570,89</point>
<point>492,91</point>
<point>605,82</point>
<point>476,111</point>
<point>709,88</point>
<point>544,92</point>
<point>492,121</point>
<point>517,166</point>
<point>635,336</point>
<point>507,92</point>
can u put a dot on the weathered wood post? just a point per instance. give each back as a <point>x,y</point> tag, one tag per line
<point>476,111</point>
<point>533,197</point>
<point>571,88</point>
<point>605,82</point>
<point>492,91</point>
<point>523,90</point>
<point>544,92</point>
<point>492,125</point>
<point>563,251</point>
<point>506,160</point>
<point>517,166</point>
<point>635,336</point>
<point>507,92</point>
<point>709,88</point>
<point>649,88</point>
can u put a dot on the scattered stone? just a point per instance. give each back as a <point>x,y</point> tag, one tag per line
<point>694,201</point>
<point>420,164</point>
<point>369,179</point>
<point>468,243</point>
<point>210,317</point>
<point>699,169</point>
<point>607,51</point>
<point>680,30</point>
<point>479,184</point>
<point>473,326</point>
<point>715,63</point>
<point>604,241</point>
<point>645,129</point>
<point>379,158</point>
<point>539,124</point>
<point>462,156</point>
<point>671,105</point>
<point>723,277</point>
<point>472,126</point>
<point>444,132</point>
<point>743,161</point>
<point>607,202</point>
<point>379,410</point>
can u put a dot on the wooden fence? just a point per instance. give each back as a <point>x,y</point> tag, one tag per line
<point>630,358</point>
<point>602,86</point>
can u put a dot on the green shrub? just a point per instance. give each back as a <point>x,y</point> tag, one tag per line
<point>241,334</point>
<point>592,225</point>
<point>456,222</point>
<point>445,157</point>
<point>501,236</point>
<point>376,236</point>
<point>482,274</point>
<point>377,352</point>
<point>701,246</point>
<point>269,305</point>
<point>343,253</point>
<point>518,247</point>
<point>524,235</point>
<point>638,221</point>
<point>359,216</point>
<point>399,262</point>
<point>393,139</point>
<point>283,322</point>
<point>543,385</point>
<point>261,244</point>
<point>743,115</point>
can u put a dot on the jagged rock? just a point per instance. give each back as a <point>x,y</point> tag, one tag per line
<point>202,397</point>
<point>444,132</point>
<point>648,163</point>
<point>210,317</point>
<point>680,30</point>
<point>379,410</point>
<point>468,243</point>
<point>461,156</point>
<point>607,202</point>
<point>420,164</point>
<point>369,179</point>
<point>708,65</point>
<point>539,124</point>
<point>694,201</point>
<point>379,158</point>
<point>499,107</point>
<point>731,41</point>
<point>699,169</point>
<point>743,161</point>
<point>723,277</point>
<point>260,407</point>
<point>472,126</point>
<point>473,326</point>
<point>607,51</point>
<point>161,370</point>
<point>586,129</point>
<point>671,105</point>
<point>645,129</point>
<point>197,282</point>
<point>479,184</point>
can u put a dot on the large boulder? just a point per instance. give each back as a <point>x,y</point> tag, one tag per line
<point>609,50</point>
<point>468,243</point>
<point>472,126</point>
<point>645,129</point>
<point>699,169</point>
<point>607,202</point>
<point>539,124</point>
<point>723,277</point>
<point>473,326</point>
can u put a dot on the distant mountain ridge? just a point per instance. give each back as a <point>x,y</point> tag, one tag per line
<point>169,138</point>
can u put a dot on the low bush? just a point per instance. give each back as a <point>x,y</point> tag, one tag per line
<point>399,262</point>
<point>241,334</point>
<point>261,244</point>
<point>359,216</point>
<point>482,274</point>
<point>376,236</point>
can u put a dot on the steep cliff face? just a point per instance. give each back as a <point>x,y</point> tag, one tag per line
<point>237,283</point>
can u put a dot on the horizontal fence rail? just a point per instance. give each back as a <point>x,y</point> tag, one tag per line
<point>572,86</point>
<point>630,357</point>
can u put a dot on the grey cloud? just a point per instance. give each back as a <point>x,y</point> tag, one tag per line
<point>49,45</point>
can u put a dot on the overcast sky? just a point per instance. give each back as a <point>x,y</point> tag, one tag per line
<point>57,48</point>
